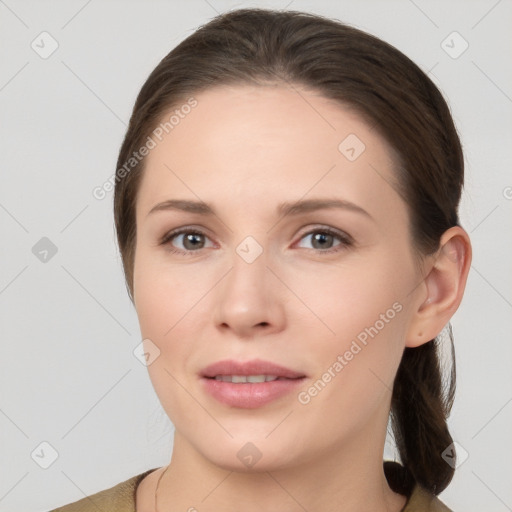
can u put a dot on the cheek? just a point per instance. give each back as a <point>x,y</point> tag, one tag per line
<point>164,302</point>
<point>354,368</point>
<point>350,297</point>
<point>164,295</point>
<point>172,309</point>
<point>360,329</point>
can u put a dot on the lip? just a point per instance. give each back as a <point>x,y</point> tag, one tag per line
<point>249,395</point>
<point>252,367</point>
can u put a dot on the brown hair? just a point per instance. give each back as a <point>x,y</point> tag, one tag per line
<point>356,69</point>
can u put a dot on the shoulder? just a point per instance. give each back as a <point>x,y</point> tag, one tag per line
<point>119,498</point>
<point>422,500</point>
<point>419,499</point>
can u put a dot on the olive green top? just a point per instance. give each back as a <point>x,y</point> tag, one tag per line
<point>121,497</point>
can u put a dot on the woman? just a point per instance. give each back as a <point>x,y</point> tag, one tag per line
<point>286,211</point>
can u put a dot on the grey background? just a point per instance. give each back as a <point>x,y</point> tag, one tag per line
<point>68,375</point>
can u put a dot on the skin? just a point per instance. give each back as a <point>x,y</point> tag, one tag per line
<point>244,150</point>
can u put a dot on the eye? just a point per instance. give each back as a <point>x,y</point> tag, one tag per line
<point>326,240</point>
<point>323,239</point>
<point>188,241</point>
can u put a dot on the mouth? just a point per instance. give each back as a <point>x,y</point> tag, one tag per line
<point>250,384</point>
<point>255,368</point>
<point>251,379</point>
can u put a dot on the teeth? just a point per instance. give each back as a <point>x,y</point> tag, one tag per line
<point>238,379</point>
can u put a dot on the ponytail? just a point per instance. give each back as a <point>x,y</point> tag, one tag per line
<point>419,409</point>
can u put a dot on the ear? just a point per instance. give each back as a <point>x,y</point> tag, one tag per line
<point>442,289</point>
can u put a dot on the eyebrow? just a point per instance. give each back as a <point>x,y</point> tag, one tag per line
<point>287,208</point>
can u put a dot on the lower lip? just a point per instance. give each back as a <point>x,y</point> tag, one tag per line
<point>250,395</point>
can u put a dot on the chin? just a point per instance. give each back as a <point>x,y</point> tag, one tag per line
<point>256,456</point>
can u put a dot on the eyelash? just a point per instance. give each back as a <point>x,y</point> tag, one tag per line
<point>345,240</point>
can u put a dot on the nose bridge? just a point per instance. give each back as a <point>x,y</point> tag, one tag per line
<point>247,282</point>
<point>249,260</point>
<point>247,298</point>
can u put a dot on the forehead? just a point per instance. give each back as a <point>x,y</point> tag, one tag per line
<point>242,143</point>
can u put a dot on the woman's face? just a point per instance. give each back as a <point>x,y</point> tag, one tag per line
<point>327,292</point>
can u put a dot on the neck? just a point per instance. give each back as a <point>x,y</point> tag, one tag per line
<point>352,476</point>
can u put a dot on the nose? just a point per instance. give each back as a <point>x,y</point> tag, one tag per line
<point>250,300</point>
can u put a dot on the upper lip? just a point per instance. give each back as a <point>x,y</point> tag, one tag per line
<point>253,367</point>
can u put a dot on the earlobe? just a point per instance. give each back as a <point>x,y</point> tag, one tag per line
<point>444,284</point>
